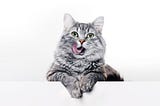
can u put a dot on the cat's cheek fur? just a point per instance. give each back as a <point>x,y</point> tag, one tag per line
<point>94,56</point>
<point>85,45</point>
<point>78,44</point>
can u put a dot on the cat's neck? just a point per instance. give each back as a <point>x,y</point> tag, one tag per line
<point>79,65</point>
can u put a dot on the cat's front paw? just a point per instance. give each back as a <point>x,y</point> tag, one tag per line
<point>75,90</point>
<point>86,85</point>
<point>76,93</point>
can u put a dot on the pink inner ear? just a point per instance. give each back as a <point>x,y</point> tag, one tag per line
<point>75,50</point>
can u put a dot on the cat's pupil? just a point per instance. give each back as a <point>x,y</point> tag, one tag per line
<point>90,35</point>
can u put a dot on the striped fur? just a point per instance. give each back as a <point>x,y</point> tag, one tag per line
<point>79,73</point>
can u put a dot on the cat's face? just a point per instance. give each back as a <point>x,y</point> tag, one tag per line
<point>83,40</point>
<point>84,36</point>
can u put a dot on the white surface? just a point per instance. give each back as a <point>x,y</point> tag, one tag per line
<point>104,94</point>
<point>30,30</point>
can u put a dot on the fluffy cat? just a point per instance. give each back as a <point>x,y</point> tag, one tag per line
<point>79,59</point>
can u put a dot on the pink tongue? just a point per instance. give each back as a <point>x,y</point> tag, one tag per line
<point>75,50</point>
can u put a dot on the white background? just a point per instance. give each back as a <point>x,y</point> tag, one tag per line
<point>30,30</point>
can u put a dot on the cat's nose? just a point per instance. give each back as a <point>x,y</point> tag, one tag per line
<point>81,41</point>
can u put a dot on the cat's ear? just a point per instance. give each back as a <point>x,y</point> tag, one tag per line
<point>98,23</point>
<point>68,21</point>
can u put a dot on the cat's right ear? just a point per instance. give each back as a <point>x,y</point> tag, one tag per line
<point>98,23</point>
<point>68,21</point>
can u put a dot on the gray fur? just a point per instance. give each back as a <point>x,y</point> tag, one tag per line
<point>79,73</point>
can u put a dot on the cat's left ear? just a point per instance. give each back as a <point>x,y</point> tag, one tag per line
<point>98,23</point>
<point>68,21</point>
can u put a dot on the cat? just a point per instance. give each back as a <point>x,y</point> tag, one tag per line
<point>79,58</point>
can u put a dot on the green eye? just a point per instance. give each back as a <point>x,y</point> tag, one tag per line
<point>75,34</point>
<point>90,35</point>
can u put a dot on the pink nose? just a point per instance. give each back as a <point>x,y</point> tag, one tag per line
<point>81,41</point>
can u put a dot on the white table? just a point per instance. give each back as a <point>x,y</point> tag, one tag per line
<point>104,94</point>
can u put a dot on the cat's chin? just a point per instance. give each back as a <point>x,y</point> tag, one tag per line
<point>80,55</point>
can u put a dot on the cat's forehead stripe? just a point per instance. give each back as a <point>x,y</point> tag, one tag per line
<point>82,26</point>
<point>77,26</point>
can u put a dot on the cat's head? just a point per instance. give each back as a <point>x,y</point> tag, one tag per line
<point>83,40</point>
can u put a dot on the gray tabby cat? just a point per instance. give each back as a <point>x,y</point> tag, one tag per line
<point>79,59</point>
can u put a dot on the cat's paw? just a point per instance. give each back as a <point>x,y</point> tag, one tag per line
<point>76,93</point>
<point>86,85</point>
<point>74,90</point>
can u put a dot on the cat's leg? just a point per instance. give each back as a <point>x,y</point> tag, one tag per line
<point>73,86</point>
<point>70,82</point>
<point>88,81</point>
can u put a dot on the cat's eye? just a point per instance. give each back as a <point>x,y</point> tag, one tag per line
<point>90,35</point>
<point>74,33</point>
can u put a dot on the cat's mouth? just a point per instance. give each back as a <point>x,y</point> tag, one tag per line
<point>78,50</point>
